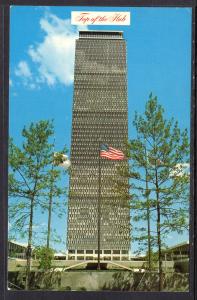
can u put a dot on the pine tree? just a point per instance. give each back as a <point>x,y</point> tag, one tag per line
<point>30,181</point>
<point>158,179</point>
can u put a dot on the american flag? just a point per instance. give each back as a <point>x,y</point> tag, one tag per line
<point>111,153</point>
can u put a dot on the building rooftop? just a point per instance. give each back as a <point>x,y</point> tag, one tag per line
<point>19,243</point>
<point>59,254</point>
<point>101,34</point>
<point>180,246</point>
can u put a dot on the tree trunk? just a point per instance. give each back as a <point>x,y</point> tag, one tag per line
<point>149,239</point>
<point>49,218</point>
<point>50,209</point>
<point>159,236</point>
<point>159,248</point>
<point>29,246</point>
<point>148,214</point>
<point>148,225</point>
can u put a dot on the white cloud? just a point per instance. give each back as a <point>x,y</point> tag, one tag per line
<point>54,56</point>
<point>23,69</point>
<point>10,82</point>
<point>32,86</point>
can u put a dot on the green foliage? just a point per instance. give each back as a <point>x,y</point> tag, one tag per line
<point>34,184</point>
<point>33,176</point>
<point>59,158</point>
<point>82,288</point>
<point>45,256</point>
<point>158,178</point>
<point>160,149</point>
<point>13,254</point>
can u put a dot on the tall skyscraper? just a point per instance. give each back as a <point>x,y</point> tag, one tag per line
<point>99,114</point>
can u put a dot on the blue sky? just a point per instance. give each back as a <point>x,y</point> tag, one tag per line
<point>41,69</point>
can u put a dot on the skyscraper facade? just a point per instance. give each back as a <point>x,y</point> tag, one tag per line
<point>99,116</point>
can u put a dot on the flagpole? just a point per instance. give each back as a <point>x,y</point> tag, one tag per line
<point>99,210</point>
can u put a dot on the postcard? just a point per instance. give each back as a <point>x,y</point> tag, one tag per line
<point>99,149</point>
